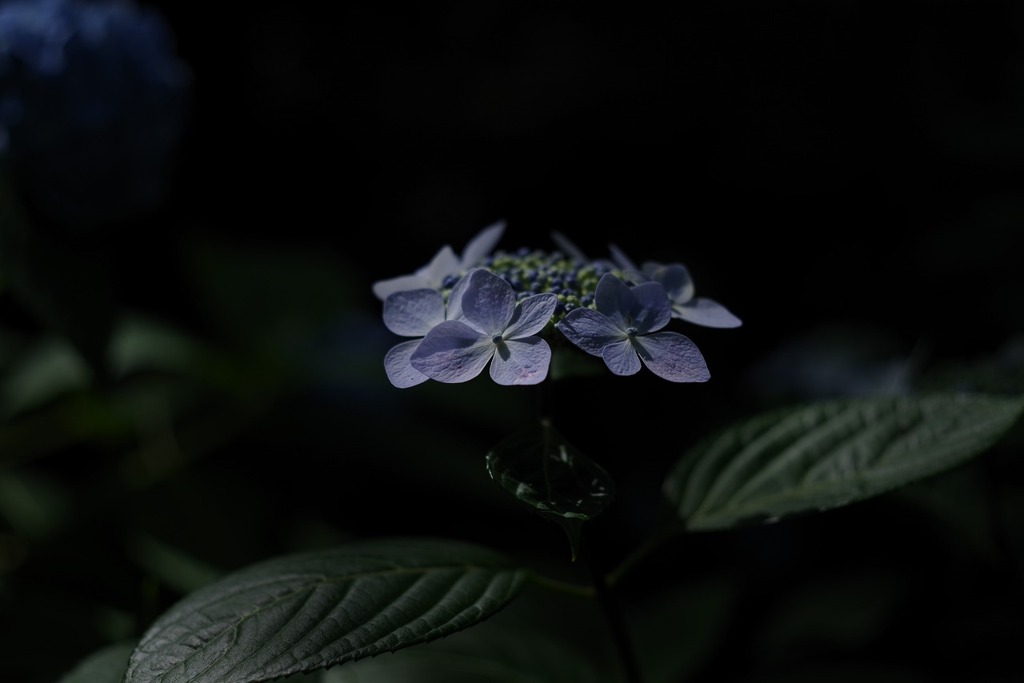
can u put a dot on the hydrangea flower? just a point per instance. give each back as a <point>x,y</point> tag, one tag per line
<point>444,264</point>
<point>608,308</point>
<point>679,288</point>
<point>624,331</point>
<point>492,329</point>
<point>413,313</point>
<point>93,102</point>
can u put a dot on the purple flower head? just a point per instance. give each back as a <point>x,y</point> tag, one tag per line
<point>492,329</point>
<point>93,103</point>
<point>679,288</point>
<point>413,313</point>
<point>444,264</point>
<point>624,332</point>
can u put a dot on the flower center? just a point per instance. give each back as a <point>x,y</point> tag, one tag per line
<point>496,338</point>
<point>631,332</point>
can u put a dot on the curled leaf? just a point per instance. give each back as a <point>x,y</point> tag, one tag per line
<point>545,473</point>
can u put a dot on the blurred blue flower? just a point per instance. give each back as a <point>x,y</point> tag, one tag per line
<point>444,264</point>
<point>679,288</point>
<point>93,103</point>
<point>492,329</point>
<point>624,332</point>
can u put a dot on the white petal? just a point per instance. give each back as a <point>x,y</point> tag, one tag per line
<point>521,361</point>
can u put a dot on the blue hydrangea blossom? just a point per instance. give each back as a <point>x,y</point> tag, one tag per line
<point>680,289</point>
<point>444,265</point>
<point>492,329</point>
<point>625,331</point>
<point>609,308</point>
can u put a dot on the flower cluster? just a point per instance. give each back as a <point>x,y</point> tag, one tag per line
<point>93,103</point>
<point>499,309</point>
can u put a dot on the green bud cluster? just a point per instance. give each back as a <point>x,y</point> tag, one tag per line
<point>532,272</point>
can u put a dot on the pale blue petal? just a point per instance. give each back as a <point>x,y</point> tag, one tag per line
<point>651,269</point>
<point>567,247</point>
<point>672,356</point>
<point>488,302</point>
<point>590,330</point>
<point>432,275</point>
<point>452,352</point>
<point>651,310</point>
<point>454,305</point>
<point>620,357</point>
<point>444,263</point>
<point>626,265</point>
<point>481,245</point>
<point>677,282</point>
<point>402,283</point>
<point>400,371</point>
<point>531,315</point>
<point>521,361</point>
<point>613,298</point>
<point>706,312</point>
<point>413,313</point>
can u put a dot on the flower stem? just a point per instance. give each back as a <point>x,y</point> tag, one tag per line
<point>609,604</point>
<point>642,551</point>
<point>562,586</point>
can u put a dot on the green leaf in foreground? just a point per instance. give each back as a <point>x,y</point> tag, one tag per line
<point>542,471</point>
<point>314,610</point>
<point>481,655</point>
<point>828,454</point>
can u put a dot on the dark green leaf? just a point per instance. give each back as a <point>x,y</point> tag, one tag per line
<point>543,637</point>
<point>309,611</point>
<point>46,370</point>
<point>521,655</point>
<point>103,666</point>
<point>829,454</point>
<point>141,344</point>
<point>546,474</point>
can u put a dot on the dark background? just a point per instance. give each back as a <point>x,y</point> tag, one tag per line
<point>845,174</point>
<point>808,161</point>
